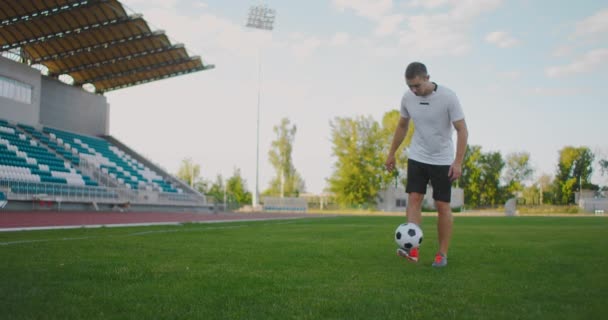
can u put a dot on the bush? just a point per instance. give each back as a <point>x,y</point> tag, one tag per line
<point>571,209</point>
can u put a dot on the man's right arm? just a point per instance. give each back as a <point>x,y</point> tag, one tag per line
<point>398,137</point>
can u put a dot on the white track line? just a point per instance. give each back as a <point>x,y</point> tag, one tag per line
<point>141,224</point>
<point>278,222</point>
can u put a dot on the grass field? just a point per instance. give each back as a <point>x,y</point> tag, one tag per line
<point>323,268</point>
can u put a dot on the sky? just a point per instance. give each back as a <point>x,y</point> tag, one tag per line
<point>530,77</point>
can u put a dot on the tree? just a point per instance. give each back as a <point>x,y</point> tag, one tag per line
<point>518,171</point>
<point>389,124</point>
<point>481,177</point>
<point>471,176</point>
<point>491,166</point>
<point>545,189</point>
<point>574,169</point>
<point>287,179</point>
<point>236,188</point>
<point>189,172</point>
<point>603,166</point>
<point>359,171</point>
<point>531,195</point>
<point>217,189</point>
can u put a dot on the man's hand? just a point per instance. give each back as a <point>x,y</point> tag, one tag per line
<point>455,171</point>
<point>390,163</point>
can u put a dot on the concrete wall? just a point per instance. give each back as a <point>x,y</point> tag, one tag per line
<point>71,108</point>
<point>54,103</point>
<point>387,198</point>
<point>457,198</point>
<point>17,111</point>
<point>593,205</point>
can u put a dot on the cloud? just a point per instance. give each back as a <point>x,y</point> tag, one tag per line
<point>562,51</point>
<point>501,39</point>
<point>303,46</point>
<point>438,34</point>
<point>427,4</point>
<point>512,75</point>
<point>445,33</point>
<point>593,25</point>
<point>552,92</point>
<point>388,24</point>
<point>136,4</point>
<point>467,10</point>
<point>371,9</point>
<point>378,11</point>
<point>585,63</point>
<point>339,39</point>
<point>432,35</point>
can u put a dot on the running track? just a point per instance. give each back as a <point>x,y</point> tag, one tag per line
<point>23,220</point>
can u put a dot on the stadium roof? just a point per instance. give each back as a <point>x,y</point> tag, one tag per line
<point>93,41</point>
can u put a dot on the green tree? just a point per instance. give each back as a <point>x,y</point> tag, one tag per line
<point>359,167</point>
<point>236,188</point>
<point>531,195</point>
<point>481,178</point>
<point>545,186</point>
<point>471,176</point>
<point>574,170</point>
<point>217,188</point>
<point>491,166</point>
<point>287,180</point>
<point>603,166</point>
<point>389,124</point>
<point>518,170</point>
<point>189,172</point>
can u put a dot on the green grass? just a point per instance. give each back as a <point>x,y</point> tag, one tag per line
<point>324,268</point>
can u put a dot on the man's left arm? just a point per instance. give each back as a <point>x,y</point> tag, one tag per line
<point>462,134</point>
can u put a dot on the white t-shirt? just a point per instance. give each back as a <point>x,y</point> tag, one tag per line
<point>433,116</point>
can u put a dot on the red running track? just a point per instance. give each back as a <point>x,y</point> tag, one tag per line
<point>19,220</point>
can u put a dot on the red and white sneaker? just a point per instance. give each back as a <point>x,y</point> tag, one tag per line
<point>441,260</point>
<point>411,255</point>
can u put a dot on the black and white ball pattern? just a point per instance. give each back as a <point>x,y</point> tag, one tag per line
<point>408,236</point>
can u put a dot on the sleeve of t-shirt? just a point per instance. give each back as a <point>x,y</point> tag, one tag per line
<point>404,112</point>
<point>455,110</point>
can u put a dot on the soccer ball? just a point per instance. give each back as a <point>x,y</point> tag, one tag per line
<point>408,236</point>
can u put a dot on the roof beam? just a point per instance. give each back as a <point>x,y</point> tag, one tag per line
<point>129,72</point>
<point>49,12</point>
<point>80,50</point>
<point>165,76</point>
<point>66,33</point>
<point>121,58</point>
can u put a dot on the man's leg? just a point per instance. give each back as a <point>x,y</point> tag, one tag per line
<point>414,215</point>
<point>444,225</point>
<point>442,193</point>
<point>414,207</point>
<point>417,179</point>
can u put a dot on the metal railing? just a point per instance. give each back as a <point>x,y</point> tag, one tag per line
<point>38,191</point>
<point>25,190</point>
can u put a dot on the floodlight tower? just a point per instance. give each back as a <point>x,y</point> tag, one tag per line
<point>260,17</point>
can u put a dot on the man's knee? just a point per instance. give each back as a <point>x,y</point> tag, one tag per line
<point>443,207</point>
<point>416,197</point>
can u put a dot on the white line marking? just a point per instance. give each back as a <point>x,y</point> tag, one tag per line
<point>141,233</point>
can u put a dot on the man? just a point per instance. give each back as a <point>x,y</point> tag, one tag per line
<point>435,110</point>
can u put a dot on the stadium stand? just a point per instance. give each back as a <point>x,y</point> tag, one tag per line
<point>54,141</point>
<point>112,161</point>
<point>25,159</point>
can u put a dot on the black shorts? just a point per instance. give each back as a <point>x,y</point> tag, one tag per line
<point>419,174</point>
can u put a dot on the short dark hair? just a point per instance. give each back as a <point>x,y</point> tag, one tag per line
<point>414,70</point>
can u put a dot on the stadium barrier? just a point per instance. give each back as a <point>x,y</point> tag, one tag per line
<point>594,205</point>
<point>274,204</point>
<point>43,194</point>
